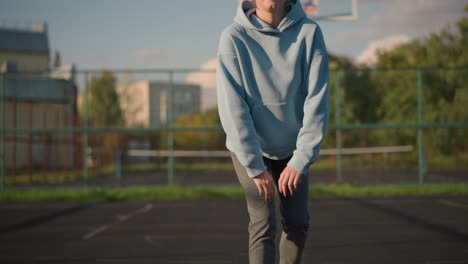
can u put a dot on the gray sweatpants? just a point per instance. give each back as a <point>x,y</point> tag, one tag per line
<point>262,225</point>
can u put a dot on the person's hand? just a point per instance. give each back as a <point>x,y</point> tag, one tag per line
<point>265,185</point>
<point>288,181</point>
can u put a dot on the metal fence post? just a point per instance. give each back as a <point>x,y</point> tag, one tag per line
<point>2,134</point>
<point>170,136</point>
<point>86,135</point>
<point>118,171</point>
<point>422,157</point>
<point>339,166</point>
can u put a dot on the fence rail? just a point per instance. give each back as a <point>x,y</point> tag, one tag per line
<point>223,153</point>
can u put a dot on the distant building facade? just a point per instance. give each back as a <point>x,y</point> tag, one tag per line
<point>145,103</point>
<point>25,50</point>
<point>43,99</point>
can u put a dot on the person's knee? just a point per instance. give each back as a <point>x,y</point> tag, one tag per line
<point>300,229</point>
<point>296,234</point>
<point>296,228</point>
<point>262,219</point>
<point>296,222</point>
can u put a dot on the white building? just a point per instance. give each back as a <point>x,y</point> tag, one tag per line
<point>145,103</point>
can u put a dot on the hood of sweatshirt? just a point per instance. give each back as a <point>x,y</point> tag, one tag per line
<point>248,20</point>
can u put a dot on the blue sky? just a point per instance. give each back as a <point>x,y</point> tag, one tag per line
<point>184,33</point>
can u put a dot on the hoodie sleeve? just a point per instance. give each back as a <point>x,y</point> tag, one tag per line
<point>234,112</point>
<point>316,108</point>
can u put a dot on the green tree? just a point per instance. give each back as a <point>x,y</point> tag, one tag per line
<point>445,92</point>
<point>197,140</point>
<point>104,111</point>
<point>104,107</point>
<point>357,96</point>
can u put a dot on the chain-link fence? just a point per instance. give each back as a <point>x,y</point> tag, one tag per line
<point>159,127</point>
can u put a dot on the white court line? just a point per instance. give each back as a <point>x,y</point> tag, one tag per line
<point>120,218</point>
<point>453,204</point>
<point>96,231</point>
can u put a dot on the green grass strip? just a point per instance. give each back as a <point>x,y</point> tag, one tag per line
<point>108,194</point>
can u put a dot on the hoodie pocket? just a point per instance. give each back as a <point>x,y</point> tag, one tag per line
<point>275,125</point>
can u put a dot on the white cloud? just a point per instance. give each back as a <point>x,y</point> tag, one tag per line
<point>207,81</point>
<point>369,55</point>
<point>204,79</point>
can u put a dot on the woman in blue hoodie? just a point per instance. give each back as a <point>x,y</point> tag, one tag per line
<point>273,101</point>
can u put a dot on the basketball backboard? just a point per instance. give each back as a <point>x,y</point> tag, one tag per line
<point>335,10</point>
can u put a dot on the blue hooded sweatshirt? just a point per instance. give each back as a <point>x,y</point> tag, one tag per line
<point>273,95</point>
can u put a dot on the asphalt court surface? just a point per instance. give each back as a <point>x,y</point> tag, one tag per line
<point>363,230</point>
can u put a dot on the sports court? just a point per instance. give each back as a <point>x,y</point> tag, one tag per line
<point>371,230</point>
<point>141,109</point>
